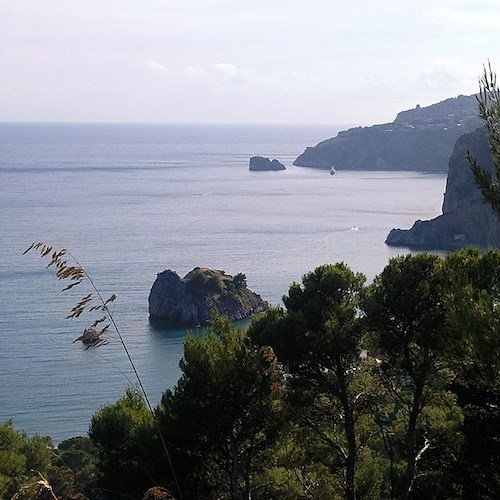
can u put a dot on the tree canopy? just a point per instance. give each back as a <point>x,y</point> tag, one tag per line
<point>387,390</point>
<point>22,459</point>
<point>223,413</point>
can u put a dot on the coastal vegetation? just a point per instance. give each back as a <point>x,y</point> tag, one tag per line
<point>387,390</point>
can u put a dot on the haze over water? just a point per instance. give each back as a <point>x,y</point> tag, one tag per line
<point>132,200</point>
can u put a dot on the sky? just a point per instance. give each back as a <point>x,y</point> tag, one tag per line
<point>355,62</point>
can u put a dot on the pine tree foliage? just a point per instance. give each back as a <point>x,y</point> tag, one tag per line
<point>489,110</point>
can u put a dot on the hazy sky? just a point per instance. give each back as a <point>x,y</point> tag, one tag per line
<point>239,61</point>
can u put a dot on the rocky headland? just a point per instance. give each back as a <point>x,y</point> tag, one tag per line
<point>418,139</point>
<point>191,301</point>
<point>466,219</point>
<point>259,163</point>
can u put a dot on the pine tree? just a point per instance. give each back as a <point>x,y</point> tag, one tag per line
<point>489,110</point>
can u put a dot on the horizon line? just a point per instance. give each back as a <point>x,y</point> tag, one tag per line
<point>234,124</point>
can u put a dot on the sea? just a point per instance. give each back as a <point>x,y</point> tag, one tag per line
<point>131,200</point>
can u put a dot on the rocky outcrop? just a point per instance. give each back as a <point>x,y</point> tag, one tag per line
<point>260,163</point>
<point>191,301</point>
<point>467,219</point>
<point>419,139</point>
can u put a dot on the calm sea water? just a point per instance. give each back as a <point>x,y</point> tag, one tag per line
<point>132,200</point>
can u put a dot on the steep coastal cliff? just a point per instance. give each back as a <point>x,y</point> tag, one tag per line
<point>419,139</point>
<point>466,219</point>
<point>190,301</point>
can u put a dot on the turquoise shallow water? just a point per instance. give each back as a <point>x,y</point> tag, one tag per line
<point>132,200</point>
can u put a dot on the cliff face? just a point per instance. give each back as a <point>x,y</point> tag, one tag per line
<point>190,301</point>
<point>420,139</point>
<point>466,219</point>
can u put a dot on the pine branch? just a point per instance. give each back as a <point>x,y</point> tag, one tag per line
<point>489,111</point>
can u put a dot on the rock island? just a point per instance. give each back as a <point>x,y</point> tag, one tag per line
<point>192,300</point>
<point>260,163</point>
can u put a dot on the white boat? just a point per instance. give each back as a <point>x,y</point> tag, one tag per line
<point>332,171</point>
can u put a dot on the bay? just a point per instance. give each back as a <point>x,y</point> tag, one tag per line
<point>131,200</point>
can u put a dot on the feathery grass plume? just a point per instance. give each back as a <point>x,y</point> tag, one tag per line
<point>489,111</point>
<point>72,271</point>
<point>75,274</point>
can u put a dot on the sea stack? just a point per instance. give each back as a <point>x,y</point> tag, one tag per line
<point>191,301</point>
<point>259,163</point>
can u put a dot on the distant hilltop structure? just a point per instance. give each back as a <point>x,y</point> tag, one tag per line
<point>419,139</point>
<point>259,163</point>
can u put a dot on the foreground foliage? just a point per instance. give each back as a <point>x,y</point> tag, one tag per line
<point>223,414</point>
<point>317,338</point>
<point>21,459</point>
<point>390,390</point>
<point>32,467</point>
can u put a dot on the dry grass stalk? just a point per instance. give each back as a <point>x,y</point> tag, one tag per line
<point>93,302</point>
